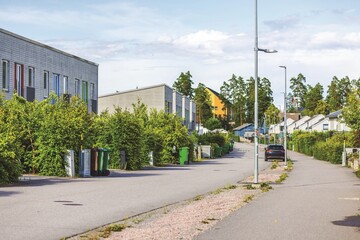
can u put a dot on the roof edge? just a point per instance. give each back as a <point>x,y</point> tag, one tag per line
<point>46,46</point>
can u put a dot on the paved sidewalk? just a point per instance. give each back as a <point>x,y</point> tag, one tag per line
<point>318,201</point>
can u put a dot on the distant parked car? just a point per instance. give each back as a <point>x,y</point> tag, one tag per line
<point>274,151</point>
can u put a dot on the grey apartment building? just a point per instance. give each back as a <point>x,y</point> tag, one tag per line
<point>160,97</point>
<point>33,70</point>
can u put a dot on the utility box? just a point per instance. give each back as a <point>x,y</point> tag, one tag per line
<point>151,158</point>
<point>206,151</point>
<point>70,166</point>
<point>85,156</point>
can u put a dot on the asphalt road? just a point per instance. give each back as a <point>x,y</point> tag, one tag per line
<point>52,208</point>
<point>318,201</point>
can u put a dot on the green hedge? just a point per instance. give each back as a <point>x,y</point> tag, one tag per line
<point>327,146</point>
<point>212,138</point>
<point>34,136</point>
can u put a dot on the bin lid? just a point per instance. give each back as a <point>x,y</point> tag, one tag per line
<point>105,149</point>
<point>183,148</point>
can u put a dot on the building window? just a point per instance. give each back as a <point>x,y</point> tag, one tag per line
<point>46,84</point>
<point>168,106</point>
<point>325,127</point>
<point>66,84</point>
<point>19,79</point>
<point>92,91</point>
<point>84,91</point>
<point>5,75</point>
<point>31,82</point>
<point>77,87</point>
<point>56,84</point>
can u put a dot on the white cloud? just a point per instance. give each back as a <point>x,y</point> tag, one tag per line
<point>140,46</point>
<point>332,40</point>
<point>204,41</point>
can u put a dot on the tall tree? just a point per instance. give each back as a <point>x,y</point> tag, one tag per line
<point>351,113</point>
<point>312,98</point>
<point>264,98</point>
<point>355,83</point>
<point>321,108</point>
<point>290,104</point>
<point>183,84</point>
<point>272,115</point>
<point>250,100</point>
<point>233,94</point>
<point>333,97</point>
<point>227,99</point>
<point>345,89</point>
<point>203,104</point>
<point>338,92</point>
<point>298,87</point>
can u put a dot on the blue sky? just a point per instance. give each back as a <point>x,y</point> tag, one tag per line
<point>141,43</point>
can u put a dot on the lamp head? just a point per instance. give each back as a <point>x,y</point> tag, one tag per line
<point>270,51</point>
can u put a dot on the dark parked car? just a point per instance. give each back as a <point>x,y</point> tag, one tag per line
<point>275,151</point>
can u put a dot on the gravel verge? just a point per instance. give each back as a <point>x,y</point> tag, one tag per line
<point>187,219</point>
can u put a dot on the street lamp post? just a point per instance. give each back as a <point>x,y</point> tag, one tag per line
<point>256,128</point>
<point>285,118</point>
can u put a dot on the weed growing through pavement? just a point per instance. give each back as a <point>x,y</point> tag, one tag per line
<point>207,221</point>
<point>230,186</point>
<point>105,233</point>
<point>166,210</point>
<point>249,187</point>
<point>289,165</point>
<point>89,237</point>
<point>138,220</point>
<point>217,191</point>
<point>265,186</point>
<point>282,178</point>
<point>357,173</point>
<point>198,198</point>
<point>248,198</point>
<point>275,164</point>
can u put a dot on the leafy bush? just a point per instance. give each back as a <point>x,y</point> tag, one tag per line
<point>212,138</point>
<point>125,133</point>
<point>326,146</point>
<point>11,144</point>
<point>10,167</point>
<point>34,136</point>
<point>213,123</point>
<point>63,126</point>
<point>166,131</point>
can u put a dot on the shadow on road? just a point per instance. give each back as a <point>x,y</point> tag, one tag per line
<point>9,193</point>
<point>350,221</point>
<point>38,182</point>
<point>130,174</point>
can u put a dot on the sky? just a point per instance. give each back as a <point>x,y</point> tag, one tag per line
<point>141,43</point>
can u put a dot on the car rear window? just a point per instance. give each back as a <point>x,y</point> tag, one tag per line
<point>275,147</point>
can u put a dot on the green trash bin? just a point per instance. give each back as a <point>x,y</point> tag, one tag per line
<point>103,161</point>
<point>217,151</point>
<point>183,155</point>
<point>226,148</point>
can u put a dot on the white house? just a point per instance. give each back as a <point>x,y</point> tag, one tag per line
<point>321,126</point>
<point>336,123</point>
<point>306,125</point>
<point>297,123</point>
<point>278,128</point>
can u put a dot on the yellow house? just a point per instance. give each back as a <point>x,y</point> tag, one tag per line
<point>218,106</point>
